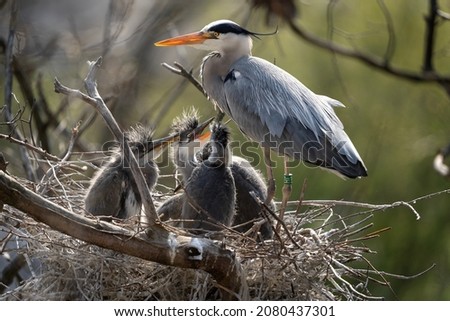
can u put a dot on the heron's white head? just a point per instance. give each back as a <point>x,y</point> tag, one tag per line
<point>221,35</point>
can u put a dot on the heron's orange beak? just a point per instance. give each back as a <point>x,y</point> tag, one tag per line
<point>188,39</point>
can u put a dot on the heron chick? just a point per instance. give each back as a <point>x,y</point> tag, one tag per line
<point>191,141</point>
<point>247,181</point>
<point>113,191</point>
<point>210,194</point>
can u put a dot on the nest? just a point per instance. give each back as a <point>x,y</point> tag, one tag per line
<point>314,256</point>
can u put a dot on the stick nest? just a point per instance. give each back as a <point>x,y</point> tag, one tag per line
<point>318,256</point>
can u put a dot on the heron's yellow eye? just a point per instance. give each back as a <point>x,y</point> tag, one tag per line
<point>216,34</point>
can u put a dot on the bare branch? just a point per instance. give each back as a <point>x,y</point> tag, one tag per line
<point>390,28</point>
<point>375,62</point>
<point>430,36</point>
<point>180,70</point>
<point>8,93</point>
<point>53,170</point>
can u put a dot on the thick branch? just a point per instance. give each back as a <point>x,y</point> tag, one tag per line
<point>171,249</point>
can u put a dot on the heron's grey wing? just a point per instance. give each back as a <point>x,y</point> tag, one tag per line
<point>263,98</point>
<point>104,197</point>
<point>275,96</point>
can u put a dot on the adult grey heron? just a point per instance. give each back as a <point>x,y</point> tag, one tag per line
<point>113,191</point>
<point>210,194</point>
<point>268,104</point>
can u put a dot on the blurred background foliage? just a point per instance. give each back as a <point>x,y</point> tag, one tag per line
<point>397,125</point>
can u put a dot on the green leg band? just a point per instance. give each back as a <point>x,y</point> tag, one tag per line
<point>288,179</point>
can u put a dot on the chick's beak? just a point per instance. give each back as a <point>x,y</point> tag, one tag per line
<point>187,39</point>
<point>197,132</point>
<point>204,137</point>
<point>160,144</point>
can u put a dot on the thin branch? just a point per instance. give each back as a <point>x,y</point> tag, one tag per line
<point>53,170</point>
<point>180,70</point>
<point>280,221</point>
<point>390,28</point>
<point>33,148</point>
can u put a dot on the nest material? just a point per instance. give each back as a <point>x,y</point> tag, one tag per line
<point>313,259</point>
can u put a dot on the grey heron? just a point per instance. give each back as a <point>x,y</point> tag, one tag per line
<point>269,105</point>
<point>210,194</point>
<point>113,191</point>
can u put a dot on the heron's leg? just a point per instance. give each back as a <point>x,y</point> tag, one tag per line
<point>287,190</point>
<point>270,180</point>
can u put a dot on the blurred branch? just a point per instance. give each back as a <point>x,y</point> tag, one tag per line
<point>8,93</point>
<point>430,20</point>
<point>383,64</point>
<point>33,148</point>
<point>373,61</point>
<point>390,48</point>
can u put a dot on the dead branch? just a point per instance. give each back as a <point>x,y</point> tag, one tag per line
<point>53,171</point>
<point>180,70</point>
<point>26,163</point>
